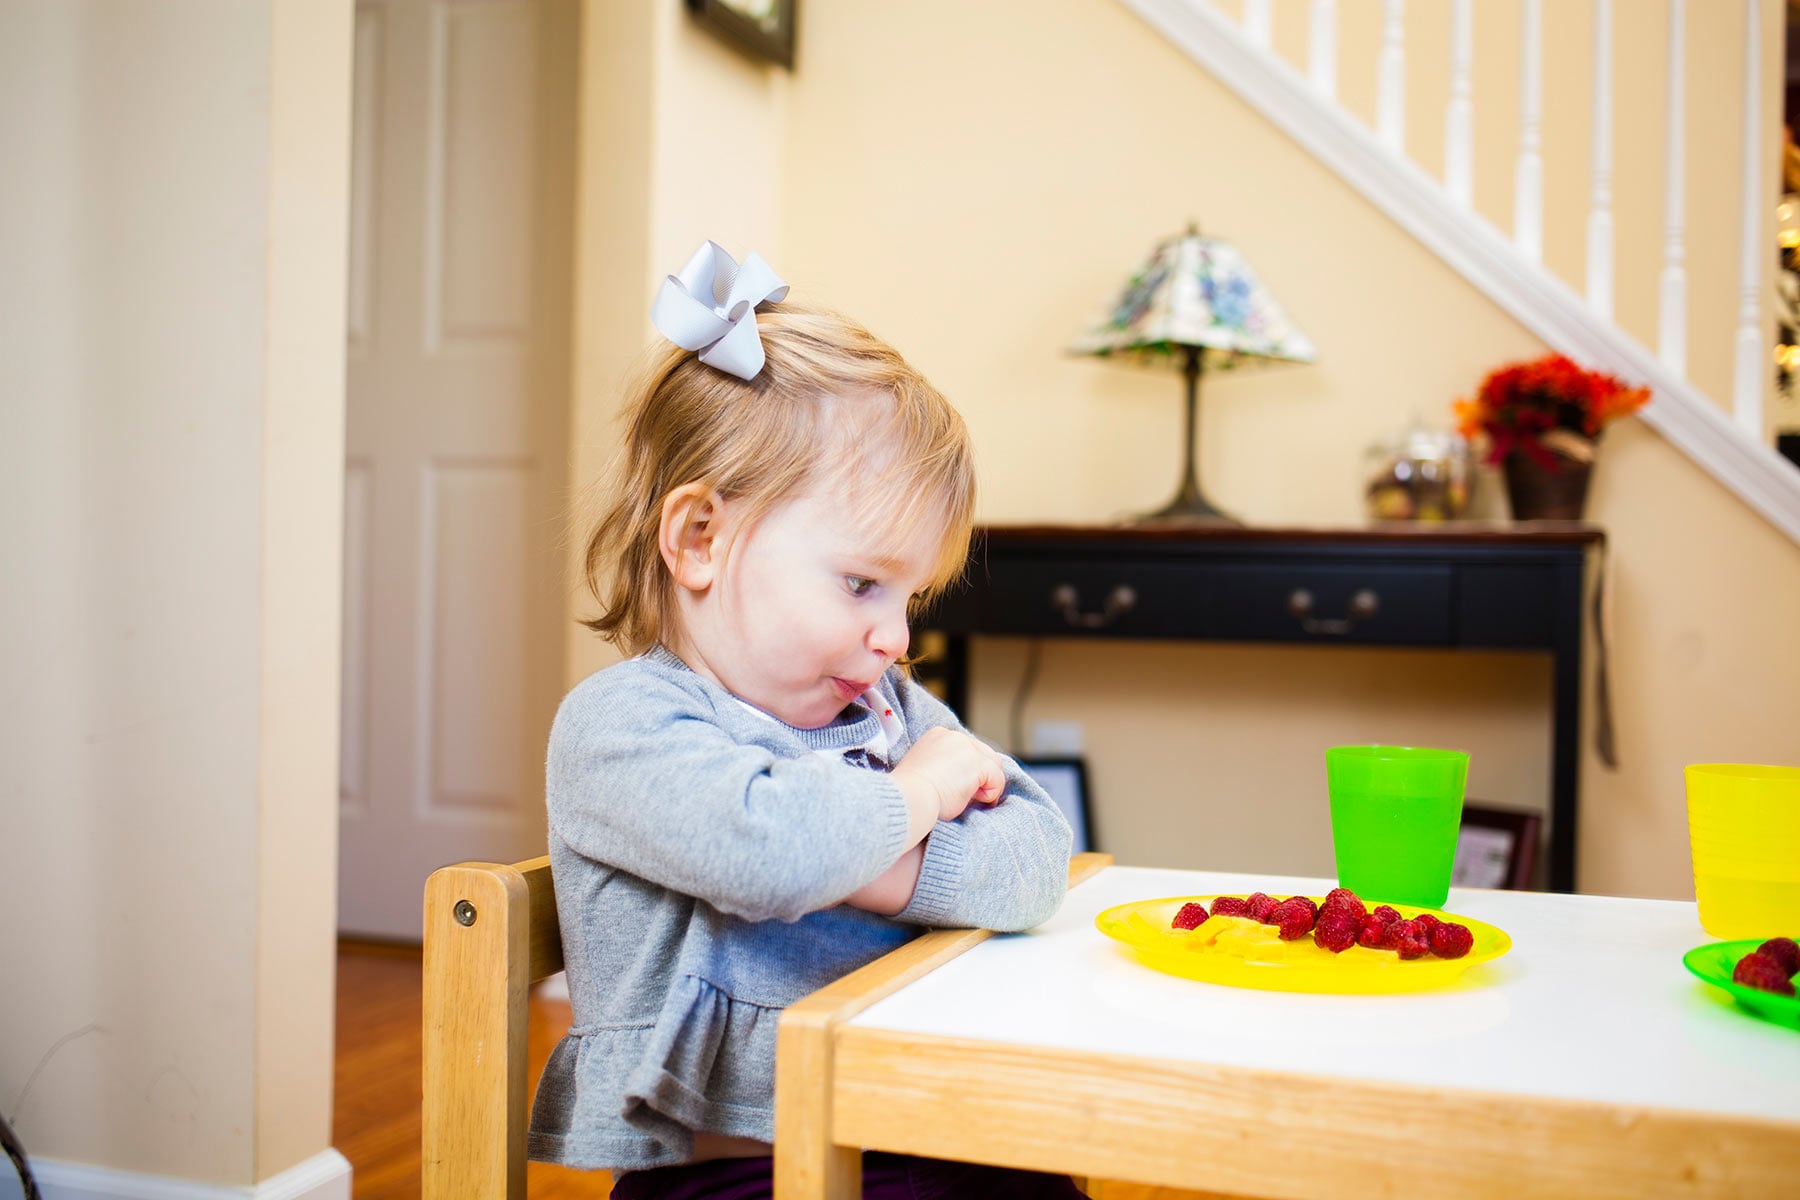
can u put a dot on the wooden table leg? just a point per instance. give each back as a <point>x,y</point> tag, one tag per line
<point>807,1165</point>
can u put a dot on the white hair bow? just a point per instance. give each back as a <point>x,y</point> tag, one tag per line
<point>711,307</point>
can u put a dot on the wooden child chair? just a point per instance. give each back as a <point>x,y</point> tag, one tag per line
<point>490,933</point>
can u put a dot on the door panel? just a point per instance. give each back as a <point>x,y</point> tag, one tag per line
<point>461,197</point>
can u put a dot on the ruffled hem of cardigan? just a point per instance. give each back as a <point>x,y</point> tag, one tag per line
<point>677,1075</point>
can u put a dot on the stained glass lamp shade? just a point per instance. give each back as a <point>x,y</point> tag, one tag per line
<point>1194,303</point>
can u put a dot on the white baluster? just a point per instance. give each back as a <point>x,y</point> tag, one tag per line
<point>1528,183</point>
<point>1259,21</point>
<point>1672,333</point>
<point>1321,55</point>
<point>1747,401</point>
<point>1459,165</point>
<point>1390,107</point>
<point>1600,217</point>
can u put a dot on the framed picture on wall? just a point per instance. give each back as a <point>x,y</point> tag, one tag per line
<point>1496,848</point>
<point>760,28</point>
<point>1066,781</point>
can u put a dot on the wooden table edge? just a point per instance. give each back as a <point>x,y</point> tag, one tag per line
<point>1253,1131</point>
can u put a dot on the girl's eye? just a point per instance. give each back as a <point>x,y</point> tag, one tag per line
<point>857,585</point>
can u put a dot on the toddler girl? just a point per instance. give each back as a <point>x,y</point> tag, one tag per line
<point>762,800</point>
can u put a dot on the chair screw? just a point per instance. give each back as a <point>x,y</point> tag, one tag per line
<point>464,912</point>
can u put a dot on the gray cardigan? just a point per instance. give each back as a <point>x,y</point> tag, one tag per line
<point>700,850</point>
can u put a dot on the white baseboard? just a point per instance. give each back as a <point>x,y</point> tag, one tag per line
<point>324,1176</point>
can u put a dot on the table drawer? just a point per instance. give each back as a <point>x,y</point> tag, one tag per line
<point>1376,604</point>
<point>1073,598</point>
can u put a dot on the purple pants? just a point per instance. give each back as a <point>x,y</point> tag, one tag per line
<point>885,1177</point>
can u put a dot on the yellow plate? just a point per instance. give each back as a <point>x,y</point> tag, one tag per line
<point>1238,952</point>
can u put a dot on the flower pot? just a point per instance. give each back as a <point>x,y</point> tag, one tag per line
<point>1537,491</point>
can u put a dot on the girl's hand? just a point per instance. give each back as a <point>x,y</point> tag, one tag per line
<point>948,770</point>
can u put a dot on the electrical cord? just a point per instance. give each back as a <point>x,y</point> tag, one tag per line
<point>16,1152</point>
<point>1034,655</point>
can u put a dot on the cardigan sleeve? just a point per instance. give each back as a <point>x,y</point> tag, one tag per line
<point>642,777</point>
<point>1003,866</point>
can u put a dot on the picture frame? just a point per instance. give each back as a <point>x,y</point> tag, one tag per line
<point>760,28</point>
<point>1066,781</point>
<point>1496,848</point>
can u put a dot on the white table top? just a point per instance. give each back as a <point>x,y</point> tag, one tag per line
<point>1592,1003</point>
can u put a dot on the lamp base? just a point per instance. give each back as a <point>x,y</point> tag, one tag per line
<point>1188,507</point>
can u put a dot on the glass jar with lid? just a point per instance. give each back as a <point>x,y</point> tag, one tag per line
<point>1422,475</point>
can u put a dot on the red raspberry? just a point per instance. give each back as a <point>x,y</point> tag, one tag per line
<point>1189,917</point>
<point>1261,906</point>
<point>1336,931</point>
<point>1312,909</point>
<point>1411,940</point>
<point>1758,970</point>
<point>1387,914</point>
<point>1294,916</point>
<point>1231,906</point>
<point>1784,951</point>
<point>1343,900</point>
<point>1450,940</point>
<point>1427,922</point>
<point>1377,934</point>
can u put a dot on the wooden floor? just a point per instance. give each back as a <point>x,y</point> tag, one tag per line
<point>375,1122</point>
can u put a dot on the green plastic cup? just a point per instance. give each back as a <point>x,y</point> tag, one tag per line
<point>1395,813</point>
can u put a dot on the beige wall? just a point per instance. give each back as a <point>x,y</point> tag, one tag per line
<point>973,180</point>
<point>172,344</point>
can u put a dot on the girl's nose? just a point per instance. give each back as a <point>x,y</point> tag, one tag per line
<point>889,636</point>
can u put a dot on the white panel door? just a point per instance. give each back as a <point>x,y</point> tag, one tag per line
<point>460,244</point>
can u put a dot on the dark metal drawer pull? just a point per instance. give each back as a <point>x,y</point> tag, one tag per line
<point>1363,605</point>
<point>1067,601</point>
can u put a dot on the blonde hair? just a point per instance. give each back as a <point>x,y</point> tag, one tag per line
<point>832,402</point>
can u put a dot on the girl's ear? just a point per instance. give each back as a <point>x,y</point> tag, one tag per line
<point>691,535</point>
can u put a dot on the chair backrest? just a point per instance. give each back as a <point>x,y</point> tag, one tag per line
<point>490,933</point>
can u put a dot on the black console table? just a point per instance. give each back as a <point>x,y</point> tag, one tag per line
<point>1515,587</point>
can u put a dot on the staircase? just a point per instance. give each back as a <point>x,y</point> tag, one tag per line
<point>1730,438</point>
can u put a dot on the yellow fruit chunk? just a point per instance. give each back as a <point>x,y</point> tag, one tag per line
<point>1245,938</point>
<point>1209,930</point>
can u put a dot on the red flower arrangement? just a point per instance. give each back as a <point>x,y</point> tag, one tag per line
<point>1549,409</point>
